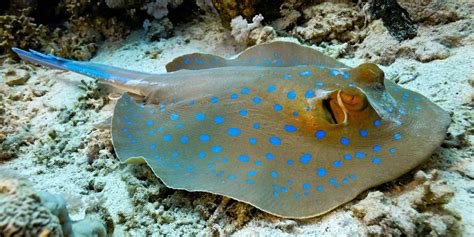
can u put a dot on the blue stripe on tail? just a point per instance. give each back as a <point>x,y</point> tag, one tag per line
<point>94,70</point>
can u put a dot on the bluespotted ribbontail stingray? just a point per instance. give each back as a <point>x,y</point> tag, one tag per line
<point>281,126</point>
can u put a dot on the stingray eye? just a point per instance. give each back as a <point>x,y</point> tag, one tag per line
<point>353,102</point>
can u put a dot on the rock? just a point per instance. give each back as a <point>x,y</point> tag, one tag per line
<point>394,17</point>
<point>261,35</point>
<point>16,77</point>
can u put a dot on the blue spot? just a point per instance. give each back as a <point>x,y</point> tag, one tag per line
<point>308,108</point>
<point>296,195</point>
<point>204,138</point>
<point>252,173</point>
<point>199,62</point>
<point>345,181</point>
<point>306,186</point>
<point>291,95</point>
<point>345,141</point>
<point>159,129</point>
<point>151,132</point>
<point>275,141</point>
<point>202,154</point>
<point>129,135</point>
<point>179,126</point>
<point>167,137</point>
<point>270,156</point>
<point>214,99</point>
<point>249,181</point>
<point>363,133</point>
<point>284,189</point>
<point>397,136</point>
<point>360,155</point>
<point>277,107</point>
<point>306,158</point>
<point>295,113</point>
<point>271,88</point>
<point>352,177</point>
<point>256,125</point>
<point>286,76</point>
<point>347,156</point>
<point>309,94</point>
<point>216,149</point>
<point>345,75</point>
<point>253,140</point>
<point>184,139</point>
<point>210,165</point>
<point>351,84</point>
<point>333,72</point>
<point>290,162</point>
<point>332,180</point>
<point>152,147</point>
<point>190,167</point>
<point>256,100</point>
<point>233,132</point>
<point>320,134</point>
<point>391,150</point>
<point>320,84</point>
<point>257,162</point>
<point>290,182</point>
<point>232,176</point>
<point>174,117</point>
<point>389,110</point>
<point>321,172</point>
<point>125,130</point>
<point>290,128</point>
<point>186,61</point>
<point>149,123</point>
<point>275,194</point>
<point>219,119</point>
<point>129,122</point>
<point>245,91</point>
<point>234,96</point>
<point>337,163</point>
<point>376,160</point>
<point>305,73</point>
<point>377,148</point>
<point>243,158</point>
<point>320,188</point>
<point>274,174</point>
<point>377,123</point>
<point>243,112</point>
<point>200,116</point>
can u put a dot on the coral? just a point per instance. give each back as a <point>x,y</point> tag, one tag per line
<point>328,21</point>
<point>159,8</point>
<point>394,17</point>
<point>158,29</point>
<point>230,9</point>
<point>241,28</point>
<point>22,212</point>
<point>124,3</point>
<point>22,32</point>
<point>418,211</point>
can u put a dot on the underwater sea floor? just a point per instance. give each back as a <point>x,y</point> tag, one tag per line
<point>62,145</point>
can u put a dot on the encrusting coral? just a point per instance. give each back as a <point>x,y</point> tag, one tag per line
<point>24,212</point>
<point>20,31</point>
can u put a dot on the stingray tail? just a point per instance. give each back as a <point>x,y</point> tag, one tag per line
<point>94,70</point>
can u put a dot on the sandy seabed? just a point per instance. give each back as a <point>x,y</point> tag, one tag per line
<point>64,148</point>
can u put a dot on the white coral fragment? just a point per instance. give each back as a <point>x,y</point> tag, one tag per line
<point>241,28</point>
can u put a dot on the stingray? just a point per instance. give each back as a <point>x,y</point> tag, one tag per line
<point>281,126</point>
